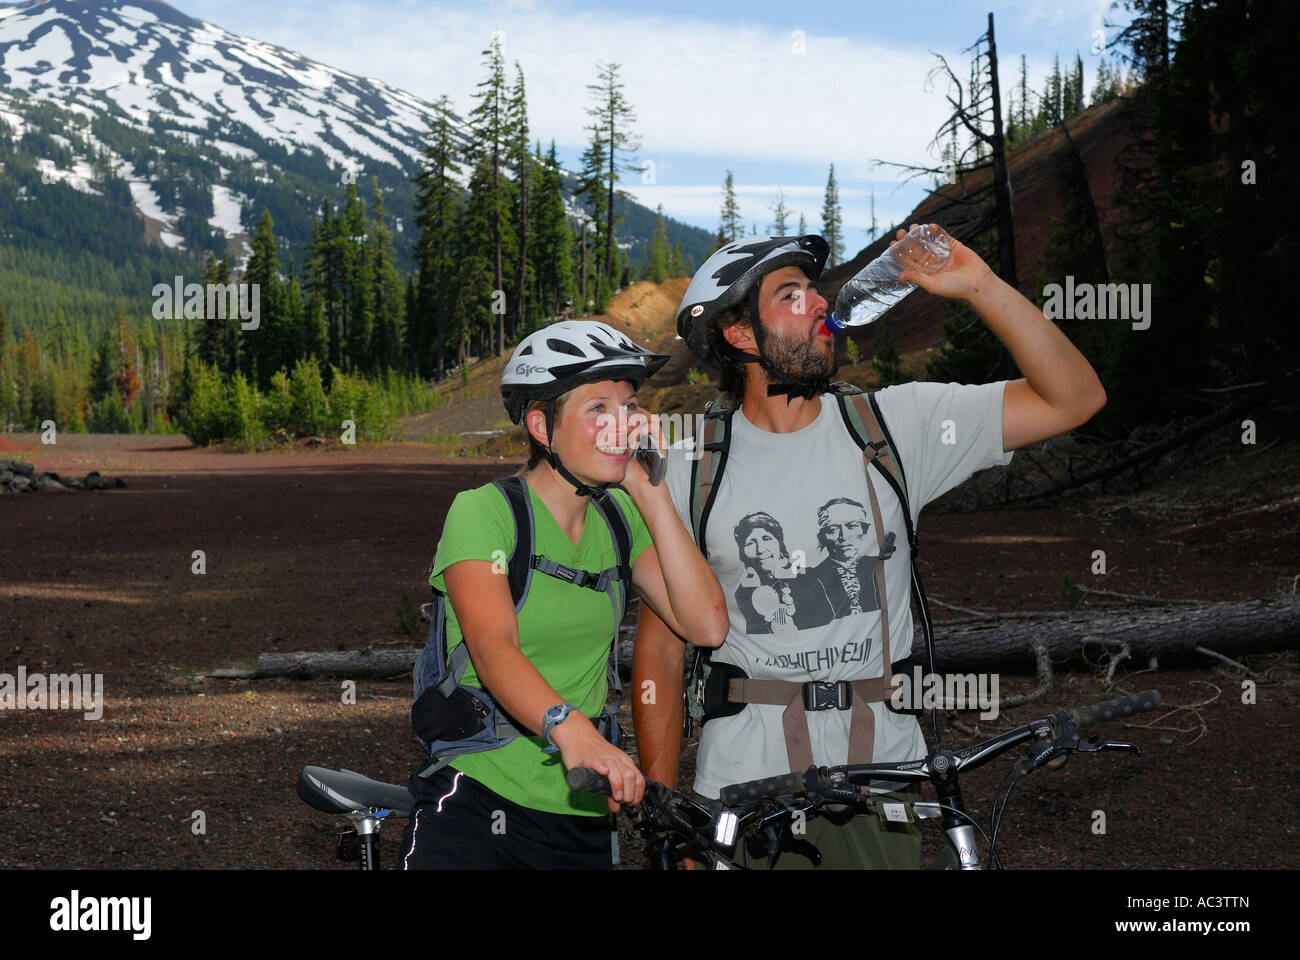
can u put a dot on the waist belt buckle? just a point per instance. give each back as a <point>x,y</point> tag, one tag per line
<point>827,695</point>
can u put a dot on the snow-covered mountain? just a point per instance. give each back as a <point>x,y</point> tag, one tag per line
<point>155,70</point>
<point>143,58</point>
<point>134,104</point>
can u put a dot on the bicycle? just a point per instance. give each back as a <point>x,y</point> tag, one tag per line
<point>762,813</point>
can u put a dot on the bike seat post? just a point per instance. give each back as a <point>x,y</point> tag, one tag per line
<point>367,826</point>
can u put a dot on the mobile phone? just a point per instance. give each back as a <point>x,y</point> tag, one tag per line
<point>651,458</point>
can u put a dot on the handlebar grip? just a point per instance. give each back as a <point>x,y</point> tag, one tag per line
<point>767,788</point>
<point>585,778</point>
<point>1114,709</point>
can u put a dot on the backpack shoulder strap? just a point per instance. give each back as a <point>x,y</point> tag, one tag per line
<point>620,531</point>
<point>519,571</point>
<point>520,565</point>
<point>861,415</point>
<point>706,470</point>
<point>618,581</point>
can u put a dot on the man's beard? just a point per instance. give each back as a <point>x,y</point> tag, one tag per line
<point>803,359</point>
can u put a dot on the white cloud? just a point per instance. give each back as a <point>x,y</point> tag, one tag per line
<point>697,86</point>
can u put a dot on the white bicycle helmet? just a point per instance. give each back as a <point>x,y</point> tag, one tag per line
<point>567,354</point>
<point>554,360</point>
<point>732,273</point>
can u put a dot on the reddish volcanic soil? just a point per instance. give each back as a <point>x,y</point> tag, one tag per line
<point>329,550</point>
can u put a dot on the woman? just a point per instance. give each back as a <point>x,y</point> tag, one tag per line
<point>573,385</point>
<point>773,596</point>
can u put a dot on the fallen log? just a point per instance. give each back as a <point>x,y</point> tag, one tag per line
<point>1241,627</point>
<point>370,664</point>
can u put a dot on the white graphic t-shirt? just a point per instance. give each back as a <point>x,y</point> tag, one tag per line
<point>793,543</point>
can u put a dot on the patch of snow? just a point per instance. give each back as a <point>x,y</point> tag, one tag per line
<point>226,206</point>
<point>54,49</point>
<point>233,150</point>
<point>79,177</point>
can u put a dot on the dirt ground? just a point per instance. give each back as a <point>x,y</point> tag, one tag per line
<point>322,550</point>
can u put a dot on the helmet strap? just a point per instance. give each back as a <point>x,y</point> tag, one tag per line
<point>579,488</point>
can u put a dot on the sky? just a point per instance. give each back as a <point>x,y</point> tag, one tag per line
<point>773,92</point>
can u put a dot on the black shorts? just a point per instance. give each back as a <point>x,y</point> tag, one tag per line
<point>459,824</point>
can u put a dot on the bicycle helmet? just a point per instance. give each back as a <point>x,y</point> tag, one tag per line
<point>730,275</point>
<point>554,360</point>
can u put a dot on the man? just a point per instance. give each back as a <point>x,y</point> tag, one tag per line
<point>752,309</point>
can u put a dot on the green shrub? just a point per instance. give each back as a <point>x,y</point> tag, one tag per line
<point>308,407</point>
<point>208,416</point>
<point>277,404</point>
<point>245,413</point>
<point>107,415</point>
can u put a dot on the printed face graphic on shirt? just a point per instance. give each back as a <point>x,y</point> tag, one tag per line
<point>763,550</point>
<point>841,528</point>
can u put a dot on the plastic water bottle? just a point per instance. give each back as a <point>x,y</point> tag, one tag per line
<point>876,287</point>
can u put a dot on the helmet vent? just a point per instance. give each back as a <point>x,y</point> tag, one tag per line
<point>561,346</point>
<point>526,351</point>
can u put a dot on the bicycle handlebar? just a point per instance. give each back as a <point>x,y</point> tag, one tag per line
<point>769,788</point>
<point>585,778</point>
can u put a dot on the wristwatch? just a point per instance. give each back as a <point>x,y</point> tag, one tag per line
<point>550,718</point>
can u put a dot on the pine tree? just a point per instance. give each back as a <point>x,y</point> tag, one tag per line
<point>552,249</point>
<point>676,265</point>
<point>1052,95</point>
<point>436,203</point>
<point>349,244</point>
<point>217,335</point>
<point>729,228</point>
<point>780,213</point>
<point>385,297</point>
<point>613,118</point>
<point>833,220</point>
<point>803,225</point>
<point>262,350</point>
<point>1104,88</point>
<point>659,254</point>
<point>521,162</point>
<point>1076,104</point>
<point>886,360</point>
<point>490,147</point>
<point>322,283</point>
<point>591,188</point>
<point>476,278</point>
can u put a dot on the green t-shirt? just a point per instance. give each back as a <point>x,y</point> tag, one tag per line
<point>564,630</point>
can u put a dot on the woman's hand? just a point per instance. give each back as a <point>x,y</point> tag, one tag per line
<point>636,481</point>
<point>581,745</point>
<point>964,272</point>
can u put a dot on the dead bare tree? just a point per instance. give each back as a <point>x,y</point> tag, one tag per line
<point>969,210</point>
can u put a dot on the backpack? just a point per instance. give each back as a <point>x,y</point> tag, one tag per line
<point>861,415</point>
<point>451,718</point>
